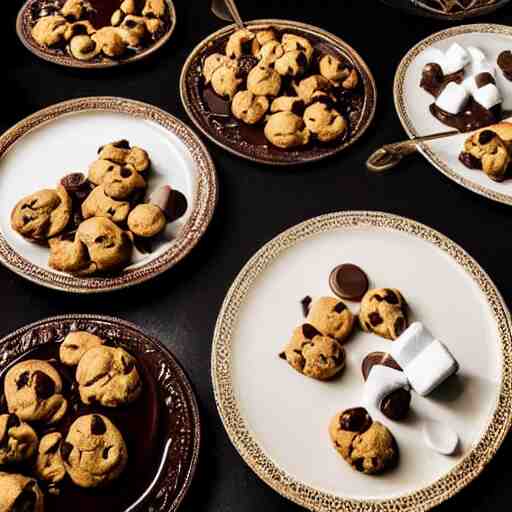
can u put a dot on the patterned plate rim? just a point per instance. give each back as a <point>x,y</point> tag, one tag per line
<point>246,444</point>
<point>398,93</point>
<point>369,109</point>
<point>191,232</point>
<point>70,62</point>
<point>169,356</point>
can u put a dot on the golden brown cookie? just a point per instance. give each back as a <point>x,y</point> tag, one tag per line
<point>264,81</point>
<point>20,493</point>
<point>49,465</point>
<point>18,441</point>
<point>110,40</point>
<point>248,107</point>
<point>33,391</point>
<point>288,104</point>
<point>367,445</point>
<point>133,30</point>
<point>108,376</point>
<point>314,355</point>
<point>146,220</point>
<point>332,68</point>
<point>76,9</point>
<point>154,8</point>
<point>324,122</point>
<point>270,52</point>
<point>291,64</point>
<point>109,247</point>
<point>286,130</point>
<point>76,344</point>
<point>83,47</point>
<point>239,43</point>
<point>68,255</point>
<point>311,85</point>
<point>94,452</point>
<point>49,30</point>
<point>331,317</point>
<point>262,37</point>
<point>214,62</point>
<point>225,81</point>
<point>383,312</point>
<point>43,214</point>
<point>292,42</point>
<point>99,204</point>
<point>122,182</point>
<point>99,169</point>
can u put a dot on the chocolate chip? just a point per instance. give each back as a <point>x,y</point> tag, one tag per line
<point>306,303</point>
<point>26,500</point>
<point>282,355</point>
<point>98,426</point>
<point>375,319</point>
<point>65,450</point>
<point>391,297</point>
<point>310,332</point>
<point>339,307</point>
<point>298,107</point>
<point>486,136</point>
<point>74,182</point>
<point>105,452</point>
<point>121,144</point>
<point>44,385</point>
<point>483,79</point>
<point>359,464</point>
<point>12,421</point>
<point>126,172</point>
<point>397,404</point>
<point>470,161</point>
<point>355,420</point>
<point>23,380</point>
<point>301,59</point>
<point>399,325</point>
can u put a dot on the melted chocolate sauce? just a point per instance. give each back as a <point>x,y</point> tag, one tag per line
<point>433,80</point>
<point>472,117</point>
<point>139,424</point>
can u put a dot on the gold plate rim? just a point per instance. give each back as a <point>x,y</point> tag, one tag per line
<point>398,94</point>
<point>190,234</point>
<point>369,110</point>
<point>242,438</point>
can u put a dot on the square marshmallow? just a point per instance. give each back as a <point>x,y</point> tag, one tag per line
<point>382,381</point>
<point>488,96</point>
<point>455,59</point>
<point>453,98</point>
<point>411,343</point>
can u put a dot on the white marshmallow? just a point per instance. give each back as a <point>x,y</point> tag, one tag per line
<point>440,438</point>
<point>430,368</point>
<point>488,96</point>
<point>382,381</point>
<point>470,84</point>
<point>477,55</point>
<point>453,98</point>
<point>425,361</point>
<point>484,67</point>
<point>455,59</point>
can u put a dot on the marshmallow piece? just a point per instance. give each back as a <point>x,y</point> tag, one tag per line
<point>470,84</point>
<point>440,438</point>
<point>455,59</point>
<point>381,382</point>
<point>477,55</point>
<point>436,56</point>
<point>410,344</point>
<point>484,67</point>
<point>488,96</point>
<point>432,366</point>
<point>453,98</point>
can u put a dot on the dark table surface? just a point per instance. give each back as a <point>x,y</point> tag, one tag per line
<point>256,203</point>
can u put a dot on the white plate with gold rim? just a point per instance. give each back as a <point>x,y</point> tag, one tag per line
<point>277,419</point>
<point>412,104</point>
<point>38,151</point>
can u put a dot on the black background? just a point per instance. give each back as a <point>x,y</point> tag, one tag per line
<point>256,203</point>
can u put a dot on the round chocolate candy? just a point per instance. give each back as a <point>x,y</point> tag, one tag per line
<point>349,282</point>
<point>355,420</point>
<point>396,405</point>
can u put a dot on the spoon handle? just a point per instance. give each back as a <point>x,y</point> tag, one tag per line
<point>234,12</point>
<point>226,10</point>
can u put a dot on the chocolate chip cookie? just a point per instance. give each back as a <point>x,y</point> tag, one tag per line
<point>99,204</point>
<point>248,107</point>
<point>76,344</point>
<point>20,494</point>
<point>146,220</point>
<point>49,464</point>
<point>314,355</point>
<point>331,317</point>
<point>108,376</point>
<point>94,451</point>
<point>367,445</point>
<point>33,391</point>
<point>383,312</point>
<point>286,130</point>
<point>325,122</point>
<point>18,441</point>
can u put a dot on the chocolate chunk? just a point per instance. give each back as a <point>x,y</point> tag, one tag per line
<point>98,426</point>
<point>306,303</point>
<point>339,307</point>
<point>355,420</point>
<point>470,161</point>
<point>433,80</point>
<point>44,385</point>
<point>378,358</point>
<point>74,182</point>
<point>397,404</point>
<point>310,332</point>
<point>23,380</point>
<point>483,79</point>
<point>282,355</point>
<point>391,297</point>
<point>12,421</point>
<point>65,450</point>
<point>375,319</point>
<point>126,172</point>
<point>26,500</point>
<point>298,107</point>
<point>505,63</point>
<point>486,136</point>
<point>121,144</point>
<point>105,452</point>
<point>348,281</point>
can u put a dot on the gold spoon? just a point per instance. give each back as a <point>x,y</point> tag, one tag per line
<point>390,155</point>
<point>226,10</point>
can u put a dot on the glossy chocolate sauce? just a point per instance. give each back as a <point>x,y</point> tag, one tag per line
<point>140,423</point>
<point>433,80</point>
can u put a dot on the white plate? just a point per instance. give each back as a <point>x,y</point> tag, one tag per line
<point>40,150</point>
<point>278,419</point>
<point>412,103</point>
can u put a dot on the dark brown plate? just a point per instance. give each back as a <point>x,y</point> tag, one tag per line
<point>24,25</point>
<point>161,428</point>
<point>249,142</point>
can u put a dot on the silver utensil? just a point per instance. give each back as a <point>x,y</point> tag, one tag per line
<point>390,155</point>
<point>226,10</point>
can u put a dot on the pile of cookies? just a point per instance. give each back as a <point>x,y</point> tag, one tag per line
<point>37,450</point>
<point>134,26</point>
<point>92,223</point>
<point>280,81</point>
<point>416,361</point>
